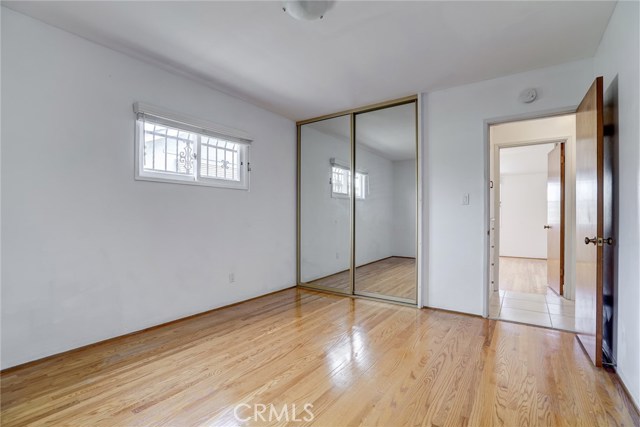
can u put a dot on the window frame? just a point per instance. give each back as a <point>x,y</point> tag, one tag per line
<point>201,129</point>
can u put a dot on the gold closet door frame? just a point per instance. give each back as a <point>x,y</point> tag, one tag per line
<point>352,269</point>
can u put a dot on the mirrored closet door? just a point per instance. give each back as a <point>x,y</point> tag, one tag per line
<point>325,204</point>
<point>386,203</point>
<point>357,202</point>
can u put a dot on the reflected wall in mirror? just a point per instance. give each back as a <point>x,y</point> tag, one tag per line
<point>386,203</point>
<point>325,204</point>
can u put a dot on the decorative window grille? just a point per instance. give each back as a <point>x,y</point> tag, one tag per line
<point>168,150</point>
<point>341,181</point>
<point>171,148</point>
<point>220,159</point>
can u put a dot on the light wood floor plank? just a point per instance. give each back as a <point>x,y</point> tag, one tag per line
<point>358,362</point>
<point>523,275</point>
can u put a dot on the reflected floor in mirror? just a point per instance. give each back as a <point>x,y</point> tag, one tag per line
<point>393,276</point>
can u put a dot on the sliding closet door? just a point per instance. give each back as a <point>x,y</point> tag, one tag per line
<point>325,204</point>
<point>385,190</point>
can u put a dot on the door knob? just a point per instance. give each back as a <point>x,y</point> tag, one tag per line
<point>547,227</point>
<point>588,240</point>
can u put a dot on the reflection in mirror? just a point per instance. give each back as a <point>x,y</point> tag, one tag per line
<point>325,204</point>
<point>386,203</point>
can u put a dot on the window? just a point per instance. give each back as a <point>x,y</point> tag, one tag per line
<point>171,148</point>
<point>341,181</point>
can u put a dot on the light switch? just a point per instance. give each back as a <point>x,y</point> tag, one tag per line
<point>465,199</point>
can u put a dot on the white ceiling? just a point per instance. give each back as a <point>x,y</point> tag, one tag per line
<point>390,132</point>
<point>360,53</point>
<point>525,160</point>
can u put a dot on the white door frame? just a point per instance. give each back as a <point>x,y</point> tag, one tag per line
<point>488,153</point>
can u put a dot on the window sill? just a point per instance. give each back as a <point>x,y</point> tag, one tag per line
<point>203,183</point>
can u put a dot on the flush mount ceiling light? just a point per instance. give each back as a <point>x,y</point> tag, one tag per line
<point>306,10</point>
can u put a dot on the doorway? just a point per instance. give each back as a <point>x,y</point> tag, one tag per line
<point>532,203</point>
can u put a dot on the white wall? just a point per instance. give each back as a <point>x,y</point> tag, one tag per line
<point>404,208</point>
<point>89,253</point>
<point>523,213</point>
<point>455,158</point>
<point>374,214</point>
<point>618,58</point>
<point>522,187</point>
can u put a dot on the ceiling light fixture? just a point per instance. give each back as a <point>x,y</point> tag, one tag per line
<point>306,10</point>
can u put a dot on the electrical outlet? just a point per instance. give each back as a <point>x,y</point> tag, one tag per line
<point>465,199</point>
<point>232,278</point>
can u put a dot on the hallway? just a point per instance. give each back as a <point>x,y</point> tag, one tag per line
<point>525,298</point>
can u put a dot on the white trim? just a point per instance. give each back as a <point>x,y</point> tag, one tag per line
<point>191,124</point>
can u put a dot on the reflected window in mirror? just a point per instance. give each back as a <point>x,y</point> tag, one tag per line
<point>362,185</point>
<point>341,182</point>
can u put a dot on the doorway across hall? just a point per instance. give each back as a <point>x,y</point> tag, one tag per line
<point>532,206</point>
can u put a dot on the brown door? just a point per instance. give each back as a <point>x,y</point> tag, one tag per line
<point>592,235</point>
<point>555,219</point>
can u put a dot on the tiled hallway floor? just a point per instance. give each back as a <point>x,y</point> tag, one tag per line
<point>548,309</point>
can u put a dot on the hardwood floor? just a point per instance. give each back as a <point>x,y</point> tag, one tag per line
<point>393,276</point>
<point>524,275</point>
<point>358,362</point>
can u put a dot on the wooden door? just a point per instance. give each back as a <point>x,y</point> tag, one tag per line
<point>555,219</point>
<point>590,168</point>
